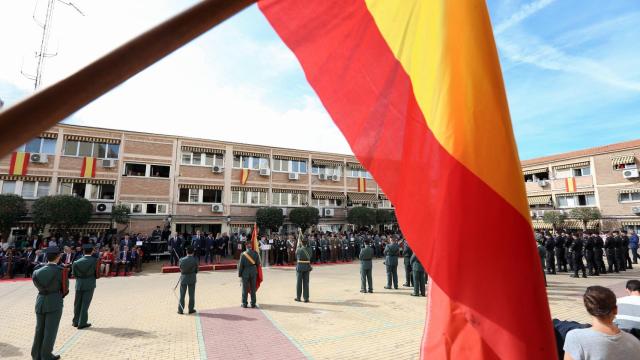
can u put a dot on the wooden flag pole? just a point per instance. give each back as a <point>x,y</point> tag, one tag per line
<point>44,109</point>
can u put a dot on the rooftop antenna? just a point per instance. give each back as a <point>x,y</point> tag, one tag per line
<point>46,25</point>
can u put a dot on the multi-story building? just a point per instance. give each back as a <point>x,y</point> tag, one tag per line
<point>188,183</point>
<point>604,177</point>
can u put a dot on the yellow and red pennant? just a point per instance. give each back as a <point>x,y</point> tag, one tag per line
<point>570,184</point>
<point>244,176</point>
<point>19,163</point>
<point>416,88</point>
<point>88,167</point>
<point>362,185</point>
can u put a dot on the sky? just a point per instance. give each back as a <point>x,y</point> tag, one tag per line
<point>571,69</point>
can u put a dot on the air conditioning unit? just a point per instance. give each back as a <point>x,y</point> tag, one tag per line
<point>635,210</point>
<point>294,176</point>
<point>108,163</point>
<point>630,173</point>
<point>284,211</point>
<point>217,169</point>
<point>217,208</point>
<point>104,208</point>
<point>335,177</point>
<point>39,158</point>
<point>543,183</point>
<point>328,212</point>
<point>323,177</point>
<point>265,172</point>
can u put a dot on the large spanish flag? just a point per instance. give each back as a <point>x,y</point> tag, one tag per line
<point>19,163</point>
<point>256,247</point>
<point>244,176</point>
<point>88,167</point>
<point>416,88</point>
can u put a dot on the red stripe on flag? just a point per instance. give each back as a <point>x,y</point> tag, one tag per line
<point>93,167</point>
<point>370,97</point>
<point>84,167</point>
<point>12,164</point>
<point>25,163</point>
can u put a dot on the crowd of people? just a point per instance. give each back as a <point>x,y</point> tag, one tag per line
<point>585,252</point>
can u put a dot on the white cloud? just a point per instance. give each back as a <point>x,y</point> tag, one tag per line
<point>524,12</point>
<point>218,87</point>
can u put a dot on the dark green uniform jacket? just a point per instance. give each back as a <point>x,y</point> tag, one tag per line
<point>391,253</point>
<point>48,281</point>
<point>188,270</point>
<point>415,264</point>
<point>303,257</point>
<point>84,270</point>
<point>245,267</point>
<point>365,257</point>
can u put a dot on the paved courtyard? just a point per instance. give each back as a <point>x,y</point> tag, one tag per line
<point>135,317</point>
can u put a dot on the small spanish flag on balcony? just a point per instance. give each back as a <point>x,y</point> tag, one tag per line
<point>570,184</point>
<point>362,185</point>
<point>88,167</point>
<point>244,176</point>
<point>19,163</point>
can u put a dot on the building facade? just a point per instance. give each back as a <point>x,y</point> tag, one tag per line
<point>186,183</point>
<point>604,177</point>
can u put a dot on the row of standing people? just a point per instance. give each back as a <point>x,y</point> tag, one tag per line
<point>565,252</point>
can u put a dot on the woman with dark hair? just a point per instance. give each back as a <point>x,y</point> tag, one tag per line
<point>603,340</point>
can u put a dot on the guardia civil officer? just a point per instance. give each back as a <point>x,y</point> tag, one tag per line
<point>419,277</point>
<point>408,272</point>
<point>561,260</point>
<point>366,266</point>
<point>188,271</point>
<point>391,253</point>
<point>618,252</point>
<point>589,255</point>
<point>248,271</point>
<point>576,249</point>
<point>86,271</point>
<point>550,245</point>
<point>303,268</point>
<point>598,245</point>
<point>609,245</point>
<point>53,285</point>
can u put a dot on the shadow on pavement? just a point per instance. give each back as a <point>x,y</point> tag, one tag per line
<point>227,317</point>
<point>122,332</point>
<point>302,309</point>
<point>348,302</point>
<point>8,350</point>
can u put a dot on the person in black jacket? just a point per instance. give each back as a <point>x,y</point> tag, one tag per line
<point>576,249</point>
<point>626,259</point>
<point>561,260</point>
<point>568,240</point>
<point>598,245</point>
<point>589,254</point>
<point>618,253</point>
<point>609,245</point>
<point>549,245</point>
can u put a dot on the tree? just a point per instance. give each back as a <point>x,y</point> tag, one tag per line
<point>12,208</point>
<point>120,215</point>
<point>384,216</point>
<point>270,218</point>
<point>555,218</point>
<point>361,216</point>
<point>585,215</point>
<point>304,217</point>
<point>61,211</point>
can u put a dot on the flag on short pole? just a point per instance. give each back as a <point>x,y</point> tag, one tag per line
<point>88,167</point>
<point>244,176</point>
<point>256,247</point>
<point>19,163</point>
<point>416,88</point>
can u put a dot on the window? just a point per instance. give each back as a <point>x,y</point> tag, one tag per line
<point>359,173</point>
<point>537,176</point>
<point>576,201</point>
<point>584,171</point>
<point>249,197</point>
<point>28,189</point>
<point>328,170</point>
<point>629,197</point>
<point>103,191</point>
<point>194,195</point>
<point>161,171</point>
<point>162,209</point>
<point>563,173</point>
<point>43,189</point>
<point>299,166</point>
<point>294,166</point>
<point>84,148</point>
<point>202,159</point>
<point>155,171</point>
<point>281,165</point>
<point>149,209</point>
<point>66,188</point>
<point>135,169</point>
<point>211,196</point>
<point>136,208</point>
<point>8,187</point>
<point>250,162</point>
<point>326,202</point>
<point>74,189</point>
<point>288,199</point>
<point>385,204</point>
<point>40,145</point>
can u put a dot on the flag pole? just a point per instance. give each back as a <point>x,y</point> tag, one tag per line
<point>53,104</point>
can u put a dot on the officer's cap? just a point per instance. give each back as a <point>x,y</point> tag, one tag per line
<point>52,250</point>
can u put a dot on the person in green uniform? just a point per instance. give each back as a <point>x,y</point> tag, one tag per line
<point>303,268</point>
<point>188,271</point>
<point>84,270</point>
<point>248,271</point>
<point>408,273</point>
<point>52,284</point>
<point>366,266</point>
<point>419,277</point>
<point>391,252</point>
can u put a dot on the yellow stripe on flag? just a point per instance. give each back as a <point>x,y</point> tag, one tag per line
<point>19,165</point>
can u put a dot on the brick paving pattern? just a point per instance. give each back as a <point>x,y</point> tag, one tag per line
<point>135,317</point>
